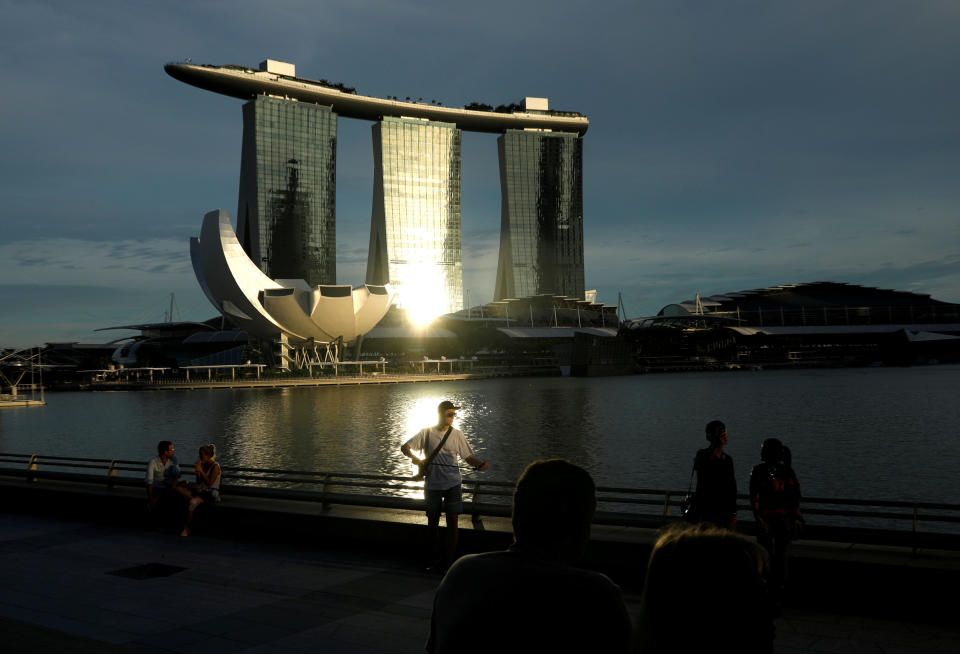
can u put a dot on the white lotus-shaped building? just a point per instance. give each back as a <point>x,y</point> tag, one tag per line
<point>268,308</point>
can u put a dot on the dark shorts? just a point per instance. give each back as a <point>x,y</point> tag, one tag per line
<point>447,501</point>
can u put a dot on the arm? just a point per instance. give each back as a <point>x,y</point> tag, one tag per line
<point>755,498</point>
<point>414,443</point>
<point>733,495</point>
<point>477,463</point>
<point>148,479</point>
<point>405,448</point>
<point>462,448</point>
<point>214,475</point>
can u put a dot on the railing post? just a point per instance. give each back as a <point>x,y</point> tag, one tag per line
<point>32,467</point>
<point>916,526</point>
<point>475,516</point>
<point>323,493</point>
<point>666,505</point>
<point>112,474</point>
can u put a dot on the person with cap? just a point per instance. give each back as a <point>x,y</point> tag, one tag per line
<point>441,447</point>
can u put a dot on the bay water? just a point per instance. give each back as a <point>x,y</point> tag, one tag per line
<point>872,433</point>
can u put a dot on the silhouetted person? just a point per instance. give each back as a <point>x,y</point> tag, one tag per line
<point>775,498</point>
<point>162,478</point>
<point>704,592</point>
<point>530,598</point>
<point>716,494</point>
<point>443,485</point>
<point>207,487</point>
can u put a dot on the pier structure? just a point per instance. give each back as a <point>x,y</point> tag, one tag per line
<point>16,366</point>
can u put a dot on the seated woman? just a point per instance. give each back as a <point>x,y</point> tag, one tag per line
<point>207,488</point>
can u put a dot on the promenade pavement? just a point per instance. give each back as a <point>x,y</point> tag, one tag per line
<point>73,586</point>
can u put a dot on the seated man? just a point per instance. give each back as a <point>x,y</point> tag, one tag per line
<point>530,598</point>
<point>163,478</point>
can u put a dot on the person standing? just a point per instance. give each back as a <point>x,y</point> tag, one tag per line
<point>775,499</point>
<point>442,446</point>
<point>716,494</point>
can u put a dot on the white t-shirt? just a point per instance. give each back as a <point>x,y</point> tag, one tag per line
<point>444,471</point>
<point>159,473</point>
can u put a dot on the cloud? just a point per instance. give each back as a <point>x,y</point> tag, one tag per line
<point>730,146</point>
<point>76,262</point>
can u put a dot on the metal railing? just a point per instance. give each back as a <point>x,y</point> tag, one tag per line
<point>617,506</point>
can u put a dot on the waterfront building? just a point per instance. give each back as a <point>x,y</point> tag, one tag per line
<point>287,200</point>
<point>541,220</point>
<point>306,324</point>
<point>415,221</point>
<point>415,227</point>
<point>816,323</point>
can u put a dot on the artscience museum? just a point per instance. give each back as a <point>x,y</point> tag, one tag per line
<point>307,320</point>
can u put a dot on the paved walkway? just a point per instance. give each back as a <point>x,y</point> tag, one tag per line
<point>74,587</point>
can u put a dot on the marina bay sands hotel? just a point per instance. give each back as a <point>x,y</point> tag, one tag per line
<point>286,214</point>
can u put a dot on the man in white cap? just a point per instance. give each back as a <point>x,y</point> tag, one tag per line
<point>441,446</point>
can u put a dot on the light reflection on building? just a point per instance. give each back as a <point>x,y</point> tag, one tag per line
<point>415,221</point>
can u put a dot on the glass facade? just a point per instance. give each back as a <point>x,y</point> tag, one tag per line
<point>287,201</point>
<point>541,215</point>
<point>415,223</point>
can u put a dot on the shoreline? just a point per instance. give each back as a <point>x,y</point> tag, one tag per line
<point>411,378</point>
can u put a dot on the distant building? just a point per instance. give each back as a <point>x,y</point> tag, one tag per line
<point>541,223</point>
<point>287,199</point>
<point>817,304</point>
<point>415,222</point>
<point>818,323</point>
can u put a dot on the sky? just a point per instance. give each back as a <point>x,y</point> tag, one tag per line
<point>732,145</point>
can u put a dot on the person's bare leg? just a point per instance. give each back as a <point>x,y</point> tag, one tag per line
<point>194,503</point>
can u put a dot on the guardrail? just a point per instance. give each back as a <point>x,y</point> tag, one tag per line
<point>630,507</point>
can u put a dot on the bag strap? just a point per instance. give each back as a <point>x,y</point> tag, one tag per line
<point>426,438</point>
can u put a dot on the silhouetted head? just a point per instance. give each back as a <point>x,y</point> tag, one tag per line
<point>716,433</point>
<point>704,590</point>
<point>771,451</point>
<point>553,505</point>
<point>163,447</point>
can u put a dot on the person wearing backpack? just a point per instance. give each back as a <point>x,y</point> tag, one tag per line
<point>775,498</point>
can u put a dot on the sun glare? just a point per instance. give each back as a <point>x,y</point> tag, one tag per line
<point>423,293</point>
